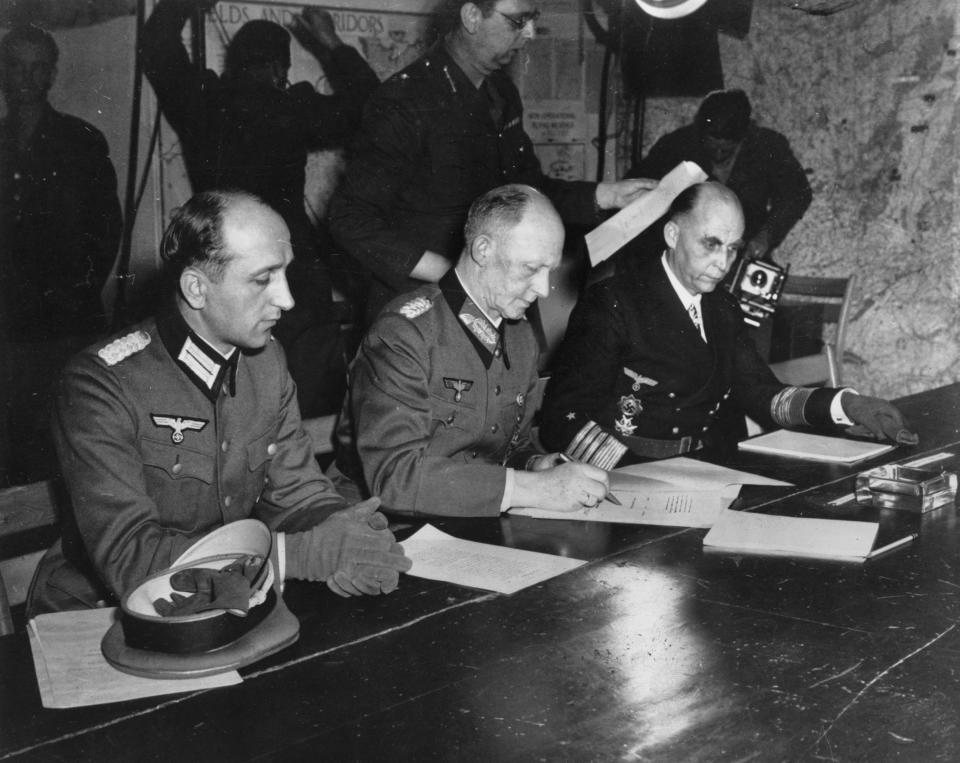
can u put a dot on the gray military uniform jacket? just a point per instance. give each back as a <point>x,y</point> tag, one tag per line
<point>162,440</point>
<point>441,402</point>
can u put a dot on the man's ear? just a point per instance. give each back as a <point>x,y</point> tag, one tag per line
<point>482,249</point>
<point>193,287</point>
<point>470,17</point>
<point>671,232</point>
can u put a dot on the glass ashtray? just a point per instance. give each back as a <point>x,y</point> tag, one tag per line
<point>906,488</point>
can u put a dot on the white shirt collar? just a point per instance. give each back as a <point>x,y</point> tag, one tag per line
<point>685,296</point>
<point>496,323</point>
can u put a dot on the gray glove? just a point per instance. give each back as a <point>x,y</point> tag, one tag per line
<point>352,550</point>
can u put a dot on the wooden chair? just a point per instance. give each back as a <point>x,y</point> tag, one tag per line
<point>833,296</point>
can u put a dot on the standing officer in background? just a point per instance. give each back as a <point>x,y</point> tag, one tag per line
<point>60,225</point>
<point>657,362</point>
<point>436,136</point>
<point>444,386</point>
<point>754,162</point>
<point>189,422</point>
<point>248,130</point>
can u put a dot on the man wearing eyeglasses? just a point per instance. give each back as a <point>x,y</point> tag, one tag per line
<point>436,136</point>
<point>657,361</point>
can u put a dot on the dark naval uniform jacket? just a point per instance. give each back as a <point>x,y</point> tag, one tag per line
<point>634,374</point>
<point>162,440</point>
<point>430,143</point>
<point>441,402</point>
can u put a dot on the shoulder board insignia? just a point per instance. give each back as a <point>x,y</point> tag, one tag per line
<point>415,307</point>
<point>123,347</point>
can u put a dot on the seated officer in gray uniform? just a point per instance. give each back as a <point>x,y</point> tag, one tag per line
<point>190,421</point>
<point>444,386</point>
<point>656,362</point>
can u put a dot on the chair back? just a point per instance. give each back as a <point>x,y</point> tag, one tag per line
<point>833,297</point>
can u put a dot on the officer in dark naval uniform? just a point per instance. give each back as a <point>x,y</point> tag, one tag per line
<point>444,387</point>
<point>190,421</point>
<point>658,363</point>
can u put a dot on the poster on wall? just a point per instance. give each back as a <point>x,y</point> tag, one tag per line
<point>551,76</point>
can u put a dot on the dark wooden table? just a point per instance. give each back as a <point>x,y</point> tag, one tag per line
<point>653,651</point>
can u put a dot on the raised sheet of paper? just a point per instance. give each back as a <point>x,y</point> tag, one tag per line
<point>641,213</point>
<point>814,447</point>
<point>752,533</point>
<point>668,508</point>
<point>690,474</point>
<point>438,556</point>
<point>72,672</point>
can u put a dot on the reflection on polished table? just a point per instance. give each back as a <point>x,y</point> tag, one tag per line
<point>654,651</point>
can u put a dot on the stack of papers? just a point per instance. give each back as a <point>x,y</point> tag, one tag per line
<point>72,671</point>
<point>438,556</point>
<point>677,492</point>
<point>815,447</point>
<point>746,532</point>
<point>640,214</point>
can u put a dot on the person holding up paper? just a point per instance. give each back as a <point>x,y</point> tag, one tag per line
<point>657,361</point>
<point>756,163</point>
<point>445,384</point>
<point>437,135</point>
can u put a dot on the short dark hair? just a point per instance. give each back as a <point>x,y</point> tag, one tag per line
<point>194,237</point>
<point>724,114</point>
<point>34,35</point>
<point>447,16</point>
<point>501,208</point>
<point>258,42</point>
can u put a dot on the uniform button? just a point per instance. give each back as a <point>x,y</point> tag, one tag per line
<point>451,417</point>
<point>473,455</point>
<point>495,428</point>
<point>675,430</point>
<point>704,429</point>
<point>177,468</point>
<point>676,410</point>
<point>671,395</point>
<point>272,449</point>
<point>497,352</point>
<point>226,502</point>
<point>223,446</point>
<point>496,390</point>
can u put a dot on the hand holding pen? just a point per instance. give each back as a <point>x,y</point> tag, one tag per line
<point>564,458</point>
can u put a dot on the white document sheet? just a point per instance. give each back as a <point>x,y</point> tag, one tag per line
<point>641,213</point>
<point>439,556</point>
<point>72,671</point>
<point>667,508</point>
<point>689,474</point>
<point>752,533</point>
<point>814,447</point>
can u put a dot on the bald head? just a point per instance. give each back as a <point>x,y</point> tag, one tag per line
<point>704,235</point>
<point>514,238</point>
